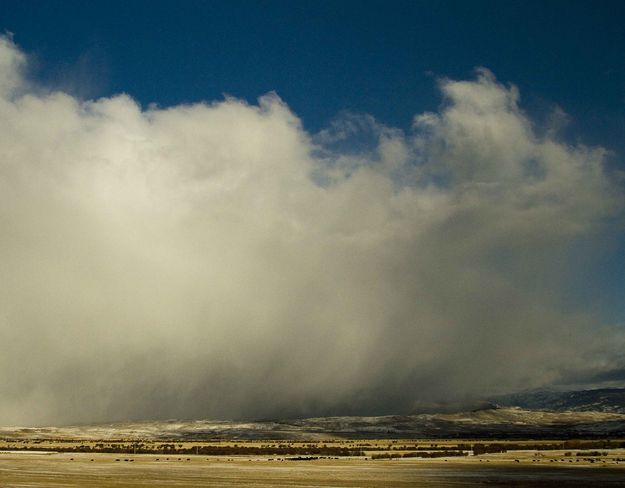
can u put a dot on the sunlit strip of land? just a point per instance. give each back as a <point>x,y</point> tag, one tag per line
<point>336,463</point>
<point>584,451</point>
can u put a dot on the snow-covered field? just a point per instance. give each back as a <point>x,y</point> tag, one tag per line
<point>115,471</point>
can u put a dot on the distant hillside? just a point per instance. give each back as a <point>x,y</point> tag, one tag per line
<point>486,423</point>
<point>599,400</point>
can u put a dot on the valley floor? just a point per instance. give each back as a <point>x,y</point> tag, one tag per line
<point>519,468</point>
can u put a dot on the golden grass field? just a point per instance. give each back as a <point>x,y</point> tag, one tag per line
<point>525,467</point>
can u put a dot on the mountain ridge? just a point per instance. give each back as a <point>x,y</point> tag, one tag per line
<point>595,400</point>
<point>537,414</point>
<point>506,422</point>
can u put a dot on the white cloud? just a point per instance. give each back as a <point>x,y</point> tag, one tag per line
<point>217,260</point>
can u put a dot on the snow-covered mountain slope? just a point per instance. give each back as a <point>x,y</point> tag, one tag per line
<point>600,400</point>
<point>488,423</point>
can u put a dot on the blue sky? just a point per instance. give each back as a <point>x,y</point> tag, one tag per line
<point>452,199</point>
<point>323,57</point>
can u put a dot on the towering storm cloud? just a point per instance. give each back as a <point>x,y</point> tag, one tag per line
<point>216,260</point>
